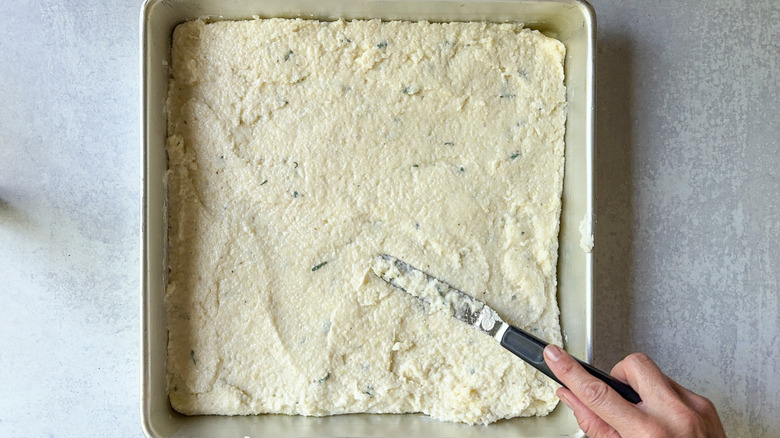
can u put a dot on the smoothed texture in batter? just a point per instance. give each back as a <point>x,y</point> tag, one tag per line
<point>298,151</point>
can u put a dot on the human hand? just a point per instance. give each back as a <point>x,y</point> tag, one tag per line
<point>666,410</point>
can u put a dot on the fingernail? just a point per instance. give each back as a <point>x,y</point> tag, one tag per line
<point>553,352</point>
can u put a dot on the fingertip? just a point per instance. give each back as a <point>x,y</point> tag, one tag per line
<point>553,353</point>
<point>565,399</point>
<point>563,391</point>
<point>570,400</point>
<point>589,422</point>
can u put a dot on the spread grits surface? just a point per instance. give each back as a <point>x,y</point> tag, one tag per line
<point>297,151</point>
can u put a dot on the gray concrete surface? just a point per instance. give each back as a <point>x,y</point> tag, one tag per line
<point>687,255</point>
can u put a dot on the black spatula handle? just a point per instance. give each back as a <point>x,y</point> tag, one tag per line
<point>529,348</point>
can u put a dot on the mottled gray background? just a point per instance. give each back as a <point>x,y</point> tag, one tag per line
<point>688,234</point>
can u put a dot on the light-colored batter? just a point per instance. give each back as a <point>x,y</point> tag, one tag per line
<point>298,150</point>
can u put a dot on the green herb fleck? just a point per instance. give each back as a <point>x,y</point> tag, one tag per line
<point>461,169</point>
<point>369,391</point>
<point>324,379</point>
<point>288,55</point>
<point>192,356</point>
<point>514,155</point>
<point>449,143</point>
<point>415,165</point>
<point>471,370</point>
<point>506,96</point>
<point>315,267</point>
<point>405,90</point>
<point>295,194</point>
<point>264,181</point>
<point>513,297</point>
<point>381,45</point>
<point>295,164</point>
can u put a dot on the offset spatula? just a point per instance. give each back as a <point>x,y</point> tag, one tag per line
<point>476,313</point>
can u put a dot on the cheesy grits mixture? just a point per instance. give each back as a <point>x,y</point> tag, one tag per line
<point>298,151</point>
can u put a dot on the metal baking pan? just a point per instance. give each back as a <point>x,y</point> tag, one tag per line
<point>570,21</point>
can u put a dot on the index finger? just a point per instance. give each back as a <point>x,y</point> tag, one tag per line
<point>594,393</point>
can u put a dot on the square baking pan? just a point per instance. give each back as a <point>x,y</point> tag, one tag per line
<point>570,21</point>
